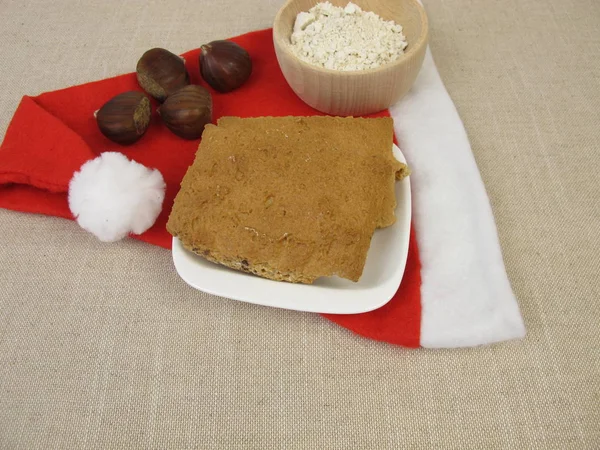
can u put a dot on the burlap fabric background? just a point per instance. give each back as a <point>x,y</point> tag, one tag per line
<point>103,346</point>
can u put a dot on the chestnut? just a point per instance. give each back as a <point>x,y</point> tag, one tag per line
<point>160,73</point>
<point>187,111</point>
<point>224,65</point>
<point>124,118</point>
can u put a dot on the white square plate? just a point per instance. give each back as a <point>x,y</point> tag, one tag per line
<point>380,280</point>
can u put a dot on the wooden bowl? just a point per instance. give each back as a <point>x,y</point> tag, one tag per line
<point>354,93</point>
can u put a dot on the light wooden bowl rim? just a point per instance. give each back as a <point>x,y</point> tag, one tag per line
<point>416,48</point>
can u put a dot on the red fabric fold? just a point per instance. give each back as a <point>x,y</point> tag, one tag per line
<point>53,134</point>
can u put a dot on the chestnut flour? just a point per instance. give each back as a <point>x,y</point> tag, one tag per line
<point>346,38</point>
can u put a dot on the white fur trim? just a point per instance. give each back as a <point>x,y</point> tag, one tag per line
<point>465,294</point>
<point>112,196</point>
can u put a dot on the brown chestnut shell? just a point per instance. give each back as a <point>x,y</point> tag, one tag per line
<point>160,73</point>
<point>125,118</point>
<point>224,65</point>
<point>187,111</point>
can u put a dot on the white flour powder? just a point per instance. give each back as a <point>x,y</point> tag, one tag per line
<point>346,38</point>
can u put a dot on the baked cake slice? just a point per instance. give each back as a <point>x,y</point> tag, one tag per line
<point>289,198</point>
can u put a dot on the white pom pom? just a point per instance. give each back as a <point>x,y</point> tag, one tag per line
<point>112,196</point>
